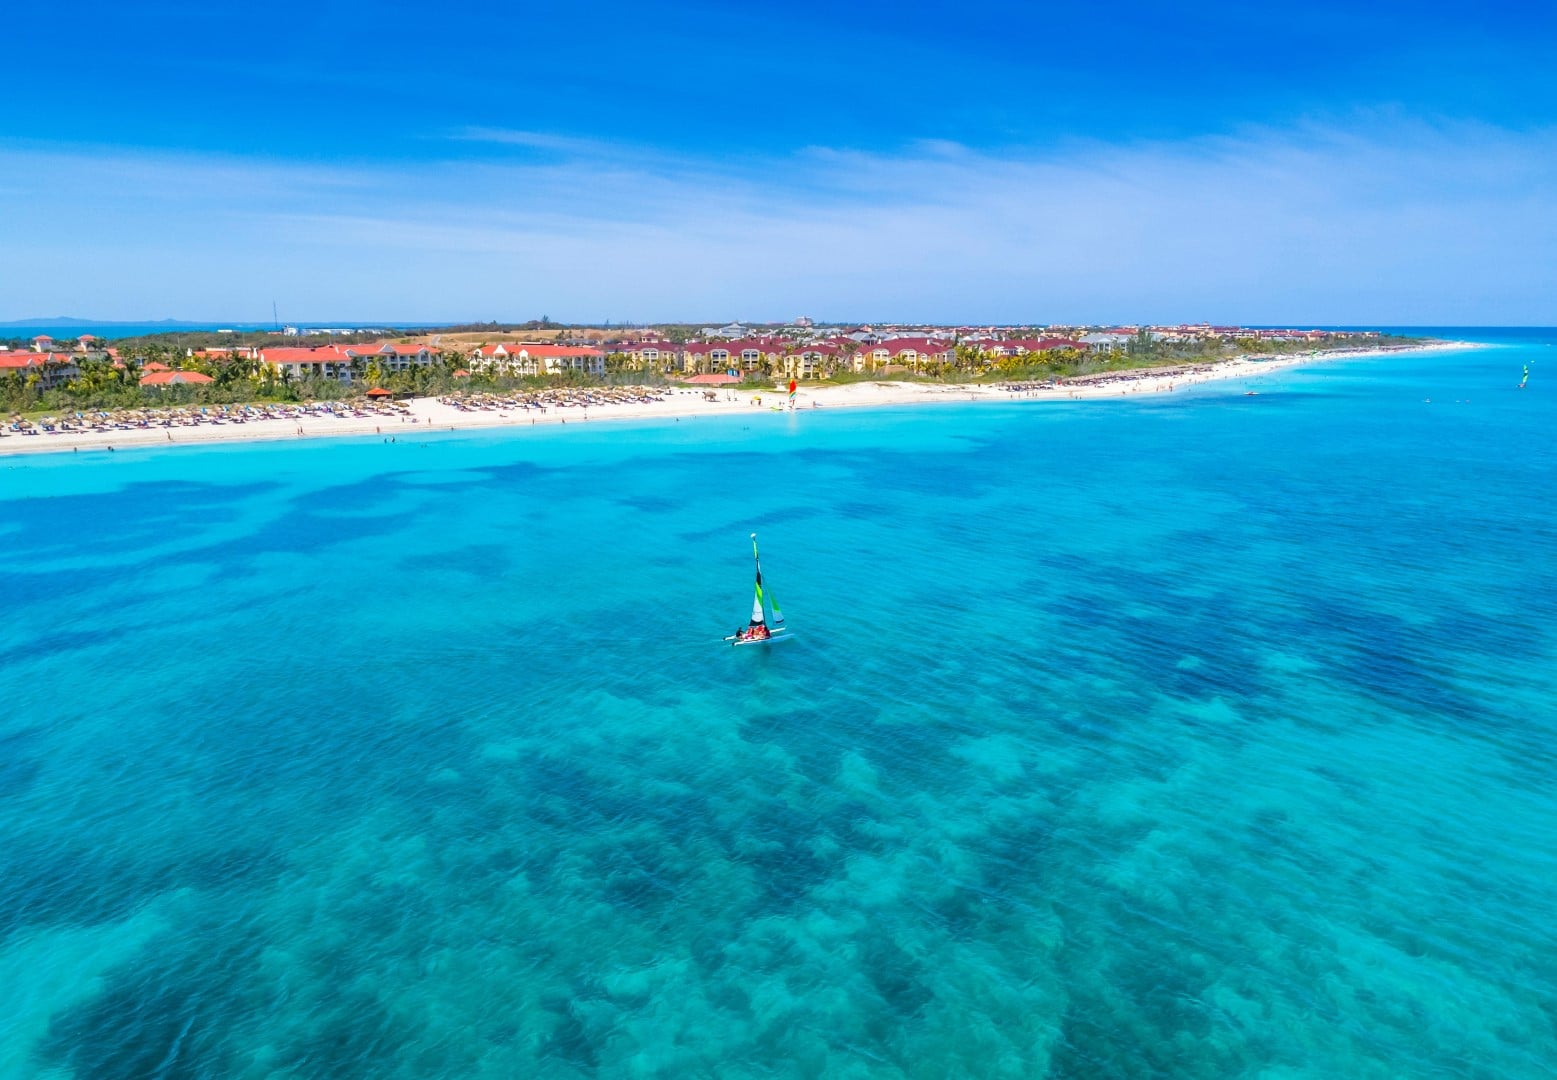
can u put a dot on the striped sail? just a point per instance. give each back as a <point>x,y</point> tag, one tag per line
<point>762,601</point>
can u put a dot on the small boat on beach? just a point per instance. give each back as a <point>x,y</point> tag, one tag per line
<point>758,631</point>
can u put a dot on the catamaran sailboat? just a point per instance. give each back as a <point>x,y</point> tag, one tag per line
<point>759,631</point>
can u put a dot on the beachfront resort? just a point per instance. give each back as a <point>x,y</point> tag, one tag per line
<point>88,393</point>
<point>800,350</point>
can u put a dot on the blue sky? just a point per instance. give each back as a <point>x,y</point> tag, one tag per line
<point>1330,163</point>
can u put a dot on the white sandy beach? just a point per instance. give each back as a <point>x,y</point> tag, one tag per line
<point>429,414</point>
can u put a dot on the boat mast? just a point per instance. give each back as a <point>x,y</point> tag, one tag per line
<point>757,618</point>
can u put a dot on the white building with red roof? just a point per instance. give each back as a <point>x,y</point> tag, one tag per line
<point>343,362</point>
<point>51,368</point>
<point>299,363</point>
<point>225,352</point>
<point>523,358</point>
<point>390,356</point>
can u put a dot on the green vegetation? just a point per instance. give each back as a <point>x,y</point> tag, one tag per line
<point>240,380</point>
<point>235,380</point>
<point>973,364</point>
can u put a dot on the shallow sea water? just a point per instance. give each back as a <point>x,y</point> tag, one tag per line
<point>1198,736</point>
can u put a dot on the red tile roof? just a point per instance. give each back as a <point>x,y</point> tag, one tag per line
<point>510,348</point>
<point>288,355</point>
<point>32,359</point>
<point>167,378</point>
<point>923,346</point>
<point>560,350</point>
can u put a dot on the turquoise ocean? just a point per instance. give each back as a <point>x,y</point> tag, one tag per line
<point>1198,735</point>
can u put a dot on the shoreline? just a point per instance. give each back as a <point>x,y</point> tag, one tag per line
<point>427,415</point>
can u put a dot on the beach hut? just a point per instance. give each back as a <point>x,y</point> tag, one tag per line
<point>379,392</point>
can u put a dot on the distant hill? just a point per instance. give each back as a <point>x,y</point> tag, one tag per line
<point>64,321</point>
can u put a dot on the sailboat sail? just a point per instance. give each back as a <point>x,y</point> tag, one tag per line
<point>757,617</point>
<point>1526,378</point>
<point>758,632</point>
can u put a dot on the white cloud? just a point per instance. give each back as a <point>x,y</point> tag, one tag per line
<point>1397,222</point>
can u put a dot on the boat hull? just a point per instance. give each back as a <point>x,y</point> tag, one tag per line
<point>773,639</point>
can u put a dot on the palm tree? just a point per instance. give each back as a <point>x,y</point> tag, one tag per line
<point>970,357</point>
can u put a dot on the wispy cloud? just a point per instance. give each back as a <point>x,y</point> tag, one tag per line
<point>1404,221</point>
<point>538,140</point>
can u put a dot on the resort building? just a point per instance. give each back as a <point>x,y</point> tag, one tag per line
<point>651,355</point>
<point>754,353</point>
<point>813,361</point>
<point>536,359</point>
<point>390,357</point>
<point>1107,340</point>
<point>706,356</point>
<point>745,355</point>
<point>50,368</point>
<point>1018,346</point>
<point>343,362</point>
<point>911,352</point>
<point>294,363</point>
<point>226,352</point>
